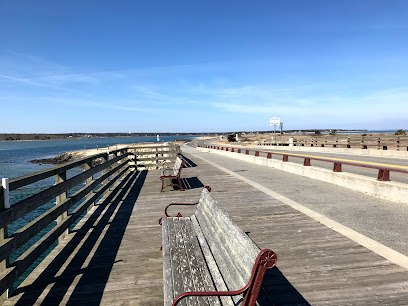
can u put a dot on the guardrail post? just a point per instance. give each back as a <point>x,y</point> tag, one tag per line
<point>4,232</point>
<point>269,155</point>
<point>256,153</point>
<point>239,150</point>
<point>60,178</point>
<point>226,149</point>
<point>383,175</point>
<point>246,152</point>
<point>232,150</point>
<point>285,158</point>
<point>337,167</point>
<point>306,162</point>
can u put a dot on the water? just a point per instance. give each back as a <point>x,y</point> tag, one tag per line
<point>14,162</point>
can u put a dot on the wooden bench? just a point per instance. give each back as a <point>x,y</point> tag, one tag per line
<point>168,174</point>
<point>209,260</point>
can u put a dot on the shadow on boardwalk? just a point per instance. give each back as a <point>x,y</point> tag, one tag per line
<point>99,242</point>
<point>189,163</point>
<point>277,290</point>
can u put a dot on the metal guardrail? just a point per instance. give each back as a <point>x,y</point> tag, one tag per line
<point>110,168</point>
<point>363,143</point>
<point>383,172</point>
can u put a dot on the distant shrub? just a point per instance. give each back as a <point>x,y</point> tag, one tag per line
<point>317,132</point>
<point>231,138</point>
<point>333,132</point>
<point>400,132</point>
<point>364,135</point>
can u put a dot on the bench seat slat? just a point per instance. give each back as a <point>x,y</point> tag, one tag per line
<point>176,262</point>
<point>211,263</point>
<point>188,271</point>
<point>200,276</point>
<point>167,274</point>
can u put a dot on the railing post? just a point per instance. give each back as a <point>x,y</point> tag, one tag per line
<point>285,158</point>
<point>337,167</point>
<point>89,181</point>
<point>157,158</point>
<point>383,175</point>
<point>269,155</point>
<point>60,178</point>
<point>3,232</point>
<point>134,159</point>
<point>232,149</point>
<point>306,162</point>
<point>256,153</point>
<point>115,154</point>
<point>239,150</point>
<point>246,152</point>
<point>104,171</point>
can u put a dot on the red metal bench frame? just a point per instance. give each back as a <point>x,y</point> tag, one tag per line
<point>172,177</point>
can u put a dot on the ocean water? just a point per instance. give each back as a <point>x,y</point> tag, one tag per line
<point>14,162</point>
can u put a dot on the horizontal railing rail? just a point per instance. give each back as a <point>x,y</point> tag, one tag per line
<point>383,171</point>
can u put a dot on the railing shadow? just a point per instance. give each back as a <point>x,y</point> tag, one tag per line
<point>277,290</point>
<point>191,183</point>
<point>189,163</point>
<point>87,259</point>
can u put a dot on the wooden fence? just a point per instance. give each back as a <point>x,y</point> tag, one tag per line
<point>101,173</point>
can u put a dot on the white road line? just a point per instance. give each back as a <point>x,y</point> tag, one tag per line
<point>382,250</point>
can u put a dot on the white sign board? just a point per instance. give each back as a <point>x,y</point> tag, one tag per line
<point>274,121</point>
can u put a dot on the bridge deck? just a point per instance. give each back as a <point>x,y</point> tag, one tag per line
<point>112,257</point>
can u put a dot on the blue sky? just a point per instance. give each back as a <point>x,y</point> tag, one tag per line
<point>202,66</point>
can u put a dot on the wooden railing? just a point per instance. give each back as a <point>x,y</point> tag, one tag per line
<point>153,157</point>
<point>101,174</point>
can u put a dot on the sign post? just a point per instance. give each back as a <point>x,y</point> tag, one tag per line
<point>274,121</point>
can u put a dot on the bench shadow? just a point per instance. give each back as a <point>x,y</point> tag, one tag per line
<point>277,290</point>
<point>191,183</point>
<point>83,266</point>
<point>188,162</point>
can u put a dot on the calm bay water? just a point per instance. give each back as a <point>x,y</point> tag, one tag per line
<point>14,162</point>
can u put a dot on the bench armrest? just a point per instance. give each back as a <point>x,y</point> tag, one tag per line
<point>179,204</point>
<point>266,260</point>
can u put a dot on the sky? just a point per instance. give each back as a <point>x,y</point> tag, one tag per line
<point>202,66</point>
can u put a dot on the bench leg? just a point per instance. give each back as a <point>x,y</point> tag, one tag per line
<point>180,185</point>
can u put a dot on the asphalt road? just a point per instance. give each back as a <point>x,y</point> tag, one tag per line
<point>373,173</point>
<point>378,219</point>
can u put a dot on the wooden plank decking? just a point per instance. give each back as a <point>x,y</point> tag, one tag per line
<point>113,258</point>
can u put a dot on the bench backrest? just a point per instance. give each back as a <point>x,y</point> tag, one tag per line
<point>234,252</point>
<point>177,163</point>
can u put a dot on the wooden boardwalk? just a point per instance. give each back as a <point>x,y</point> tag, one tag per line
<point>112,257</point>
